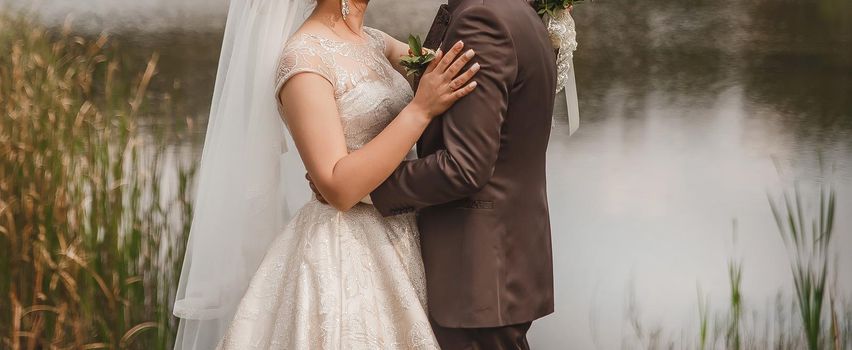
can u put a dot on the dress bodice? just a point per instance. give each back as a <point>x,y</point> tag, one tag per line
<point>368,91</point>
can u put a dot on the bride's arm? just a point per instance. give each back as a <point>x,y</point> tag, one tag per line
<point>394,50</point>
<point>345,178</point>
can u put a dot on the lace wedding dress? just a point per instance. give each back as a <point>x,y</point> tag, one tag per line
<point>340,280</point>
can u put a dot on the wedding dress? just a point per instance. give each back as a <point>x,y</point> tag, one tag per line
<point>331,279</point>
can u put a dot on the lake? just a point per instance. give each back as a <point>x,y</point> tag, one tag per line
<point>692,112</point>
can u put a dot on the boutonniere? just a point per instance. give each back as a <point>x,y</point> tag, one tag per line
<point>418,57</point>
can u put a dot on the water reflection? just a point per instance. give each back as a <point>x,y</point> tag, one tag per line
<point>689,109</point>
<point>685,105</point>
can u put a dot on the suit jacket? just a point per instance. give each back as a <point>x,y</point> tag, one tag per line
<point>479,183</point>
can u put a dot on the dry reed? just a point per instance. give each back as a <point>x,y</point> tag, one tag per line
<point>90,242</point>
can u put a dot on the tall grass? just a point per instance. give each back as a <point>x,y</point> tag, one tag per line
<point>703,319</point>
<point>808,240</point>
<point>813,318</point>
<point>90,238</point>
<point>733,339</point>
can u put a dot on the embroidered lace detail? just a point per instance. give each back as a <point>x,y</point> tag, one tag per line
<point>340,280</point>
<point>563,35</point>
<point>368,91</point>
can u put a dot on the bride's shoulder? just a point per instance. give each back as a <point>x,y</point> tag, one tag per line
<point>300,41</point>
<point>304,47</point>
<point>303,53</point>
<point>379,37</point>
<point>374,33</point>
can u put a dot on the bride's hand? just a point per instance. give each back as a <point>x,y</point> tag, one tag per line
<point>442,85</point>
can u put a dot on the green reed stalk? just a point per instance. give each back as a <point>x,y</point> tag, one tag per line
<point>704,319</point>
<point>735,276</point>
<point>835,324</point>
<point>808,242</point>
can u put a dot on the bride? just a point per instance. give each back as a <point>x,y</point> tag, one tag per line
<point>337,276</point>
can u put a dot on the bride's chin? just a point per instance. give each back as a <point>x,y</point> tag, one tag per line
<point>357,2</point>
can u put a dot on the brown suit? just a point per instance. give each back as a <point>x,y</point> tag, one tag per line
<point>479,183</point>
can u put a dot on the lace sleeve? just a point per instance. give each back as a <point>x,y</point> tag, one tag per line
<point>300,57</point>
<point>379,38</point>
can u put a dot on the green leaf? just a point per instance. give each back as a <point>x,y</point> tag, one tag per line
<point>415,45</point>
<point>416,62</point>
<point>551,7</point>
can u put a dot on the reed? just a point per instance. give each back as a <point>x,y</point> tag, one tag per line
<point>90,238</point>
<point>733,339</point>
<point>808,241</point>
<point>813,318</point>
<point>703,319</point>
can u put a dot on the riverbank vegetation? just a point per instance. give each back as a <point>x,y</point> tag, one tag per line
<point>92,219</point>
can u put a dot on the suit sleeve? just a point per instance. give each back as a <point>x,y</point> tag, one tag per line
<point>471,128</point>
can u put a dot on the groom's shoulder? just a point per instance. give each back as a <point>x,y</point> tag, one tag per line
<point>487,10</point>
<point>478,10</point>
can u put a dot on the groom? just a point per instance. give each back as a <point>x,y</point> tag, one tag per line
<point>479,183</point>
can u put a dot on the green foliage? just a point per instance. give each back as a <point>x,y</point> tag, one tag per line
<point>808,241</point>
<point>550,7</point>
<point>734,336</point>
<point>795,323</point>
<point>418,59</point>
<point>703,319</point>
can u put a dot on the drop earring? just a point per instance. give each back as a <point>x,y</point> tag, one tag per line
<point>344,8</point>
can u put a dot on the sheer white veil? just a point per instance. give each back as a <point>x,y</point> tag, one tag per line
<point>244,195</point>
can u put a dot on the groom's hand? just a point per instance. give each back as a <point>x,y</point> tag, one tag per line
<point>316,191</point>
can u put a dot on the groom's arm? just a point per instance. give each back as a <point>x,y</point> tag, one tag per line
<point>471,128</point>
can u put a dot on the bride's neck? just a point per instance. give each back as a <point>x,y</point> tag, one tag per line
<point>329,13</point>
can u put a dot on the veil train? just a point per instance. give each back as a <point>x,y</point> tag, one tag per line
<point>247,183</point>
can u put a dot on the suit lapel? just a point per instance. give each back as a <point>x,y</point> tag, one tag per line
<point>438,29</point>
<point>436,34</point>
<point>433,41</point>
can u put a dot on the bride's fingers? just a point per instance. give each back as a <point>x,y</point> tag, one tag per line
<point>459,64</point>
<point>449,57</point>
<point>467,89</point>
<point>462,79</point>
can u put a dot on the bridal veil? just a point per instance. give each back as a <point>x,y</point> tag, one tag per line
<point>247,184</point>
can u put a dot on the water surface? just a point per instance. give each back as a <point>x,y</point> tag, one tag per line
<point>692,111</point>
